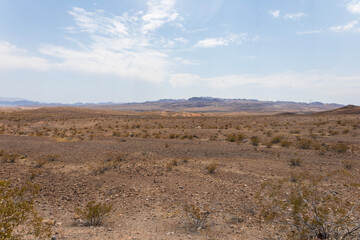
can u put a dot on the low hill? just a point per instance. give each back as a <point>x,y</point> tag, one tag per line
<point>349,109</point>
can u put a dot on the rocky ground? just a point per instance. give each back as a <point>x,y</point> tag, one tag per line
<point>149,166</point>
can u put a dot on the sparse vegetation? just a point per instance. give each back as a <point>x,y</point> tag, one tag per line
<point>308,213</point>
<point>18,215</point>
<point>93,213</point>
<point>128,159</point>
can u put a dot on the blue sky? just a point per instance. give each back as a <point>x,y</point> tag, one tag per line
<point>136,50</point>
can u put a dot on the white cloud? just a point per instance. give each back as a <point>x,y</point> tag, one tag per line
<point>146,65</point>
<point>212,42</point>
<point>225,41</point>
<point>354,6</point>
<point>343,28</point>
<point>181,40</point>
<point>310,32</point>
<point>120,45</point>
<point>350,27</point>
<point>12,57</point>
<point>294,16</point>
<point>186,61</point>
<point>275,13</point>
<point>160,12</point>
<point>92,22</point>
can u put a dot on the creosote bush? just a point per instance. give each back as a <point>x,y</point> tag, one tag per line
<point>93,213</point>
<point>18,215</point>
<point>304,209</point>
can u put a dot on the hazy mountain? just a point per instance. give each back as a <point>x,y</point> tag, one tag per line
<point>208,104</point>
<point>194,104</point>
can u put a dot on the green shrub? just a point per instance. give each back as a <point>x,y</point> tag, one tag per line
<point>305,210</point>
<point>18,216</point>
<point>93,213</point>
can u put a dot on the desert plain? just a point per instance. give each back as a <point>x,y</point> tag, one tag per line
<point>150,165</point>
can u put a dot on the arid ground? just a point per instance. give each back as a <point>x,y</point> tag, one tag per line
<point>150,165</point>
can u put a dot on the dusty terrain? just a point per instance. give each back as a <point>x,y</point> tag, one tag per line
<point>149,165</point>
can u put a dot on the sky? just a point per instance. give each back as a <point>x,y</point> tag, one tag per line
<point>140,50</point>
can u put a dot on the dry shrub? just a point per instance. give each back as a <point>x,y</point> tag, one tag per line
<point>348,165</point>
<point>170,165</point>
<point>93,213</point>
<point>305,143</point>
<point>51,157</point>
<point>112,161</point>
<point>40,163</point>
<point>295,162</point>
<point>307,210</point>
<point>18,215</point>
<point>101,167</point>
<point>285,143</point>
<point>8,157</point>
<point>255,140</point>
<point>231,138</point>
<point>235,137</point>
<point>212,167</point>
<point>340,147</point>
<point>276,139</point>
<point>197,215</point>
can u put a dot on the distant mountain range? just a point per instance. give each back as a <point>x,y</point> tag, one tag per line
<point>195,104</point>
<point>19,102</point>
